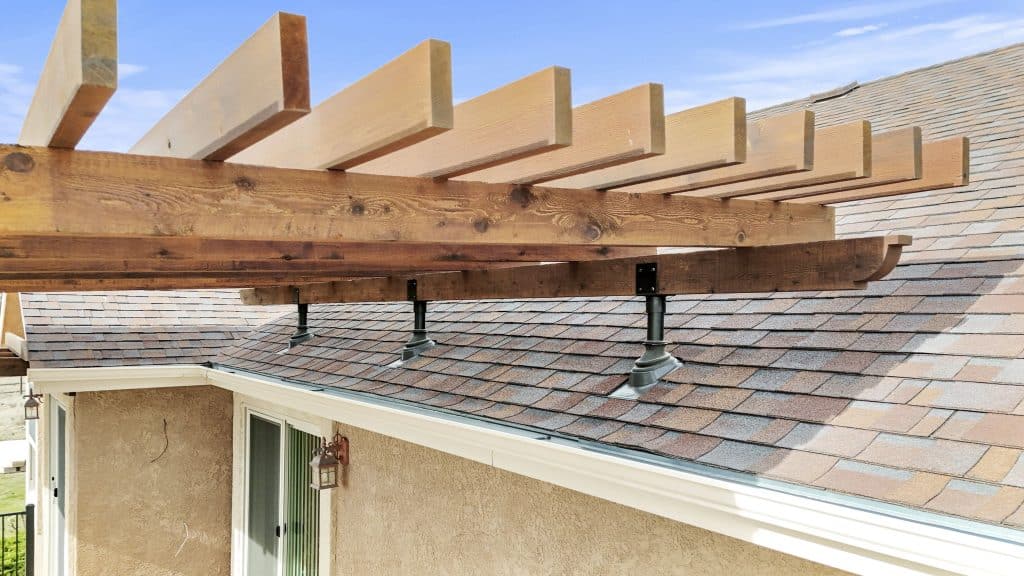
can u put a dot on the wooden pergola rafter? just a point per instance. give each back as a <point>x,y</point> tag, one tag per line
<point>244,183</point>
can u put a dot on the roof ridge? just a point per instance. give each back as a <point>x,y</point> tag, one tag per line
<point>862,85</point>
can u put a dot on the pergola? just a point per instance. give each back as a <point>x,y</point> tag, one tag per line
<point>389,191</point>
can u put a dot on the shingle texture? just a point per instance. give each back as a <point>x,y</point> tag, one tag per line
<point>74,330</point>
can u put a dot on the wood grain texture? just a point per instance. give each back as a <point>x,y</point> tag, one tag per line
<point>832,265</point>
<point>621,128</point>
<point>944,164</point>
<point>200,250</point>
<point>401,103</point>
<point>79,77</point>
<point>895,157</point>
<point>260,88</point>
<point>701,138</point>
<point>11,365</point>
<point>11,320</point>
<point>524,118</point>
<point>841,153</point>
<point>49,192</point>
<point>776,145</point>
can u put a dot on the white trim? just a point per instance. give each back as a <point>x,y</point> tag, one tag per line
<point>850,539</point>
<point>853,540</point>
<point>244,406</point>
<point>65,380</point>
<point>16,344</point>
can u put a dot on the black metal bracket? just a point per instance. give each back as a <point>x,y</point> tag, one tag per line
<point>647,279</point>
<point>302,331</point>
<point>410,290</point>
<point>419,341</point>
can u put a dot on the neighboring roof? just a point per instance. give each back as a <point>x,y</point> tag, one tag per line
<point>74,330</point>
<point>910,392</point>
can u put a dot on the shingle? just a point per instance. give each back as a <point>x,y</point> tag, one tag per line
<point>795,406</point>
<point>833,440</point>
<point>929,454</point>
<point>977,500</point>
<point>737,455</point>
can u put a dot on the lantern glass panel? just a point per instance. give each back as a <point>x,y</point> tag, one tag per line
<point>31,408</point>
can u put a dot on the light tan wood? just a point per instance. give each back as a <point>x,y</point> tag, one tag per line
<point>944,164</point>
<point>260,88</point>
<point>48,192</point>
<point>775,145</point>
<point>701,138</point>
<point>197,251</point>
<point>401,103</point>
<point>12,321</point>
<point>841,153</point>
<point>79,77</point>
<point>895,157</point>
<point>621,128</point>
<point>524,118</point>
<point>834,265</point>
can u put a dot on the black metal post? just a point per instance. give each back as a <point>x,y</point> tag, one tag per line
<point>30,539</point>
<point>655,361</point>
<point>419,341</point>
<point>302,332</point>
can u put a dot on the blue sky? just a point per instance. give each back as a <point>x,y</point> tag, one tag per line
<point>768,52</point>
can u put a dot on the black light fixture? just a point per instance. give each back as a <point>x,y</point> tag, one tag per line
<point>326,461</point>
<point>32,405</point>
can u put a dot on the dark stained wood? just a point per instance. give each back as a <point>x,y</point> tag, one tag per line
<point>832,265</point>
<point>47,191</point>
<point>11,365</point>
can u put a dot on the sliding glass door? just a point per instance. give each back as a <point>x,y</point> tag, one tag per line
<point>283,512</point>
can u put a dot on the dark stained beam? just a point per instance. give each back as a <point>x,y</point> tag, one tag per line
<point>833,265</point>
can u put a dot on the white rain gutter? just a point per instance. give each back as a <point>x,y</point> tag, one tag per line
<point>847,538</point>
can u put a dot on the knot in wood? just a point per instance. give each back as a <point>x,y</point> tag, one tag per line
<point>19,162</point>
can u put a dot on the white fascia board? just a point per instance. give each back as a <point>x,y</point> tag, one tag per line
<point>850,539</point>
<point>65,380</point>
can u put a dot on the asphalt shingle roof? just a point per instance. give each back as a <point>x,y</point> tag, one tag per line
<point>73,330</point>
<point>911,391</point>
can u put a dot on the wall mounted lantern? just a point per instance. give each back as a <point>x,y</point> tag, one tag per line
<point>326,461</point>
<point>32,404</point>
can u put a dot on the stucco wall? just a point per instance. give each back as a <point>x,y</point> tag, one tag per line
<point>139,517</point>
<point>408,510</point>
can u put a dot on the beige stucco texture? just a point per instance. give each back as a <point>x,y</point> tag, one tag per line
<point>143,510</point>
<point>409,510</point>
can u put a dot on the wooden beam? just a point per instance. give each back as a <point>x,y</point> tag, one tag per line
<point>524,118</point>
<point>199,250</point>
<point>79,77</point>
<point>944,164</point>
<point>701,138</point>
<point>833,265</point>
<point>260,88</point>
<point>621,128</point>
<point>401,103</point>
<point>11,365</point>
<point>61,192</point>
<point>775,145</point>
<point>841,153</point>
<point>11,319</point>
<point>895,157</point>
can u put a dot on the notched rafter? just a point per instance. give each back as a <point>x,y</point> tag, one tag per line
<point>79,77</point>
<point>775,145</point>
<point>621,128</point>
<point>260,88</point>
<point>841,153</point>
<point>701,138</point>
<point>524,118</point>
<point>834,265</point>
<point>401,103</point>
<point>50,192</point>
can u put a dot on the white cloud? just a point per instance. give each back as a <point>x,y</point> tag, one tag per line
<point>844,14</point>
<point>125,70</point>
<point>127,117</point>
<point>765,79</point>
<point>845,32</point>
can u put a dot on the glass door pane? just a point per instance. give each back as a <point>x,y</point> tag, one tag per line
<point>58,485</point>
<point>264,504</point>
<point>302,507</point>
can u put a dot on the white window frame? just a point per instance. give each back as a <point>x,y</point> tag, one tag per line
<point>244,408</point>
